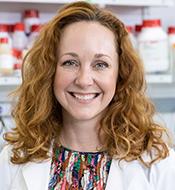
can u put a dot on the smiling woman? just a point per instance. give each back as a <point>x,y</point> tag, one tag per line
<point>82,119</point>
<point>86,73</point>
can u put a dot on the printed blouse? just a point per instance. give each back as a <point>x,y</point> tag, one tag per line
<point>73,170</point>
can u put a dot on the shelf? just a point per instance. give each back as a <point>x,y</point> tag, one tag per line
<point>158,86</point>
<point>159,78</point>
<point>143,3</point>
<point>46,6</point>
<point>10,81</point>
<point>5,109</point>
<point>164,105</point>
<point>106,2</point>
<point>151,79</point>
<point>161,91</point>
<point>37,1</point>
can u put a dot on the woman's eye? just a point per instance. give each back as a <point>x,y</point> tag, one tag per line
<point>70,63</point>
<point>101,65</point>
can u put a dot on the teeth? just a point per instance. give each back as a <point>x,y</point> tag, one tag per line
<point>85,97</point>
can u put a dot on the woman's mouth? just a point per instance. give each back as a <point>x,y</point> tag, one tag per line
<point>84,96</point>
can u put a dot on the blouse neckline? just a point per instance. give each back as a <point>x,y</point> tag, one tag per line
<point>81,152</point>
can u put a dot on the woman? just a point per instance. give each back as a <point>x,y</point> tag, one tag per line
<point>82,119</point>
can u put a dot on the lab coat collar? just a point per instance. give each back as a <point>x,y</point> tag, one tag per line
<point>115,177</point>
<point>123,175</point>
<point>37,175</point>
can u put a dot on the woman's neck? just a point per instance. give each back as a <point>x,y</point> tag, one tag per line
<point>80,136</point>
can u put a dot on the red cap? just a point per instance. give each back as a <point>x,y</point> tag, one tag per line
<point>151,23</point>
<point>17,53</point>
<point>171,30</point>
<point>4,40</point>
<point>129,28</point>
<point>31,13</point>
<point>17,66</point>
<point>35,28</point>
<point>3,28</point>
<point>10,28</point>
<point>19,26</point>
<point>138,27</point>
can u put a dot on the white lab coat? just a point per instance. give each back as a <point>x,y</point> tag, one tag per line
<point>128,176</point>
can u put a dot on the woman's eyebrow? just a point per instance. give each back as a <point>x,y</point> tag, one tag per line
<point>99,55</point>
<point>70,53</point>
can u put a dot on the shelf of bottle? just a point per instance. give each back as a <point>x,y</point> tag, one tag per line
<point>159,78</point>
<point>106,2</point>
<point>158,86</point>
<point>10,81</point>
<point>161,91</point>
<point>162,79</point>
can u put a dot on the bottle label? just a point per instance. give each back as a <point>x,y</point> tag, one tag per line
<point>154,55</point>
<point>6,64</point>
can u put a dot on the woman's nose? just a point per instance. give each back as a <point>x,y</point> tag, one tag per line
<point>84,77</point>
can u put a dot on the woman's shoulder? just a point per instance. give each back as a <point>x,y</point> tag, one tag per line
<point>9,170</point>
<point>5,161</point>
<point>159,176</point>
<point>163,166</point>
<point>162,173</point>
<point>22,176</point>
<point>169,161</point>
<point>5,155</point>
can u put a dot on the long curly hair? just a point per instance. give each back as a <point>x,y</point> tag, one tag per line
<point>127,127</point>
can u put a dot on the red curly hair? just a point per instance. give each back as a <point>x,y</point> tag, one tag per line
<point>128,126</point>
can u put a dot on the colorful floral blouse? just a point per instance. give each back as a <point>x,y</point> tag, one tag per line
<point>73,170</point>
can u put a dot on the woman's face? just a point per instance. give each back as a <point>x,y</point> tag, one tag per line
<point>87,70</point>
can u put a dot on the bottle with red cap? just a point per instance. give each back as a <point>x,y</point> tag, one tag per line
<point>153,47</point>
<point>19,38</point>
<point>171,41</point>
<point>138,29</point>
<point>17,62</point>
<point>6,58</point>
<point>10,29</point>
<point>31,17</point>
<point>33,35</point>
<point>4,33</point>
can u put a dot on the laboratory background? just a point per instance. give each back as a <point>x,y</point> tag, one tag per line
<point>151,26</point>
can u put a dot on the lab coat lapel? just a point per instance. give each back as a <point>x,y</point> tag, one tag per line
<point>121,176</point>
<point>127,176</point>
<point>36,175</point>
<point>136,176</point>
<point>115,179</point>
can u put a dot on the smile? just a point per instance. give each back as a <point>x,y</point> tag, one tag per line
<point>85,97</point>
